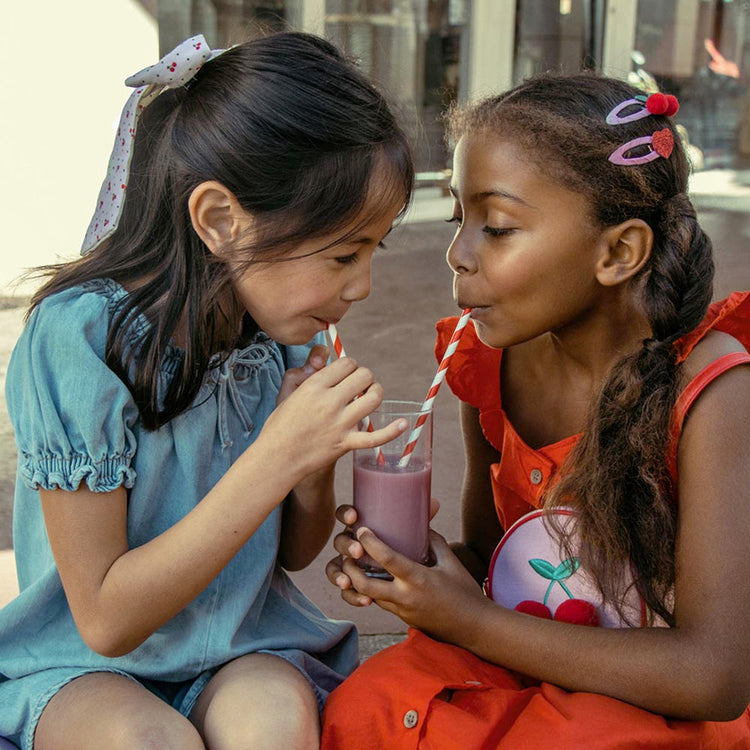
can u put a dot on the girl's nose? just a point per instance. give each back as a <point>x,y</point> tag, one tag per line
<point>358,286</point>
<point>459,255</point>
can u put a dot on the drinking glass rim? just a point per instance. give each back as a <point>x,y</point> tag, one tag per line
<point>409,408</point>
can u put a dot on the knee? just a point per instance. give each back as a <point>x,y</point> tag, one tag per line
<point>301,719</point>
<point>289,719</point>
<point>174,734</point>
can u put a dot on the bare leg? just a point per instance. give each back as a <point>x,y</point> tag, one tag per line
<point>105,710</point>
<point>258,701</point>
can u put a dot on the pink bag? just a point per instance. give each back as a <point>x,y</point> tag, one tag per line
<point>527,573</point>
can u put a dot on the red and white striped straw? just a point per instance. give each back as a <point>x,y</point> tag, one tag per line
<point>333,335</point>
<point>429,401</point>
<point>338,347</point>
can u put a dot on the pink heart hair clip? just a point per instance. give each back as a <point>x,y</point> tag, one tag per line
<point>661,143</point>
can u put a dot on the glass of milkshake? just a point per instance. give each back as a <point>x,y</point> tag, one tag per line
<point>390,499</point>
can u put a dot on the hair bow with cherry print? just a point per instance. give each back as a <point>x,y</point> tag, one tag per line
<point>660,143</point>
<point>174,70</point>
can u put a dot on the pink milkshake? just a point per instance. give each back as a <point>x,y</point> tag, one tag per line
<point>395,504</point>
<point>391,500</point>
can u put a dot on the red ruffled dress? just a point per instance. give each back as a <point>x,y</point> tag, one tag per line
<point>391,702</point>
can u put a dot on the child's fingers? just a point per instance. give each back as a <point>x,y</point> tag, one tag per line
<point>351,384</point>
<point>345,544</point>
<point>295,376</point>
<point>363,439</point>
<point>376,589</point>
<point>395,563</point>
<point>353,597</point>
<point>337,576</point>
<point>316,359</point>
<point>338,371</point>
<point>346,514</point>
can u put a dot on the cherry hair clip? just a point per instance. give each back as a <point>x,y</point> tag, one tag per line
<point>660,143</point>
<point>656,104</point>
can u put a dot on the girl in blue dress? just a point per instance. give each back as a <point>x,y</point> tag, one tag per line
<point>176,420</point>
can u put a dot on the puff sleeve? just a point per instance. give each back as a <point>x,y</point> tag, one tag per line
<point>73,417</point>
<point>474,371</point>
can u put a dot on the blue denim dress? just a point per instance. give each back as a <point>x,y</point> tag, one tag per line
<point>75,421</point>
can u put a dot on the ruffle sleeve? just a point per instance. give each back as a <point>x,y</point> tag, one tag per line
<point>474,370</point>
<point>730,315</point>
<point>73,417</point>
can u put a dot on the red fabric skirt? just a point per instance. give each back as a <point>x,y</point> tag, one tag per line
<point>427,695</point>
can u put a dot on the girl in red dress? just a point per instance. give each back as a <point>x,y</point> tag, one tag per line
<point>596,375</point>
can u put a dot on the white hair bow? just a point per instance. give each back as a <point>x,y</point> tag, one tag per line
<point>174,70</point>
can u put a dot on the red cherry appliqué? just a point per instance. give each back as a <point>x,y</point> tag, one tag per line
<point>530,607</point>
<point>572,610</point>
<point>577,612</point>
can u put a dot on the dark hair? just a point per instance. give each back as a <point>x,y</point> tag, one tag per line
<point>296,132</point>
<point>617,473</point>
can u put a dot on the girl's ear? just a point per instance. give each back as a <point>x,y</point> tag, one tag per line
<point>626,249</point>
<point>216,215</point>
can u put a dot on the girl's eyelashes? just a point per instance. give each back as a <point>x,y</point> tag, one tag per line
<point>347,259</point>
<point>492,231</point>
<point>498,231</point>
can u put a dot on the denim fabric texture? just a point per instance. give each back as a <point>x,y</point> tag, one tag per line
<point>75,421</point>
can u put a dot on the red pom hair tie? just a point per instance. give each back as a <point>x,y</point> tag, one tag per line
<point>662,104</point>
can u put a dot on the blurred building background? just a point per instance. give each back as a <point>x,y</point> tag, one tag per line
<point>429,53</point>
<point>65,63</point>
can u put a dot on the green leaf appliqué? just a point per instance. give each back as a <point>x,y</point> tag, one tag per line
<point>544,568</point>
<point>555,574</point>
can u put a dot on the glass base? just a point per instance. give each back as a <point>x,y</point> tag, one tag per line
<point>378,573</point>
<point>373,571</point>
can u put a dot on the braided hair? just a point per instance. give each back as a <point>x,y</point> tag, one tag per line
<point>617,475</point>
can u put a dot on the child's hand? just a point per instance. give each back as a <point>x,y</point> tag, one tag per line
<point>348,546</point>
<point>294,377</point>
<point>420,596</point>
<point>315,423</point>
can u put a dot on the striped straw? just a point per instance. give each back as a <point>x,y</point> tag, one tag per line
<point>338,347</point>
<point>429,401</point>
<point>333,335</point>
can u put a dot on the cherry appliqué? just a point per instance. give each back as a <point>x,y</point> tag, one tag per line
<point>572,610</point>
